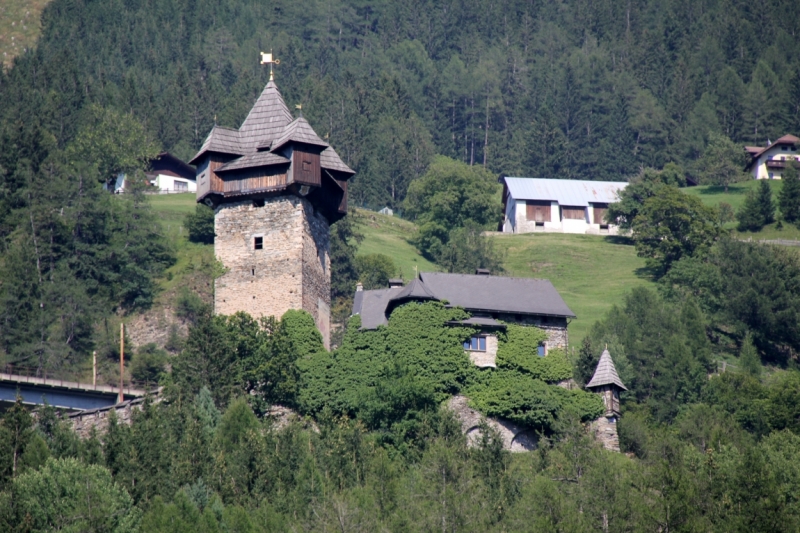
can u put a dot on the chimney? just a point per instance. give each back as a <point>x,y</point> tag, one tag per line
<point>482,272</point>
<point>359,287</point>
<point>395,283</point>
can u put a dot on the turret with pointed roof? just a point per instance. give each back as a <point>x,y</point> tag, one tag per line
<point>276,187</point>
<point>606,382</point>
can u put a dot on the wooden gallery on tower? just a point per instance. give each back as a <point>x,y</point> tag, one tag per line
<point>275,188</point>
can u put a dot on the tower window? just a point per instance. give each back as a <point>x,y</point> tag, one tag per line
<point>258,243</point>
<point>542,350</point>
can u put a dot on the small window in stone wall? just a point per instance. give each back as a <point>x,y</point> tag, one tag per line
<point>542,350</point>
<point>258,243</point>
<point>476,344</point>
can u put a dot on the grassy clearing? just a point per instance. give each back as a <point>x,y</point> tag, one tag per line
<point>591,273</point>
<point>389,236</point>
<point>713,195</point>
<point>194,261</point>
<point>20,26</point>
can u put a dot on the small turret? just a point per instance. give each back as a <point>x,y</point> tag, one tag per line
<point>606,382</point>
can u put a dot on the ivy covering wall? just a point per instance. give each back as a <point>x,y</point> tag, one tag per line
<point>387,375</point>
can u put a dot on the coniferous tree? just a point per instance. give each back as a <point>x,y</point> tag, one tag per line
<point>750,215</point>
<point>765,204</point>
<point>789,197</point>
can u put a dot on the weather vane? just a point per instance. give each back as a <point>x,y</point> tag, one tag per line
<point>267,59</point>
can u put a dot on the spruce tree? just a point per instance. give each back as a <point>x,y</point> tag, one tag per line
<point>789,198</point>
<point>750,216</point>
<point>765,204</point>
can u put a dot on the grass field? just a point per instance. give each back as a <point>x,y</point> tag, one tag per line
<point>20,26</point>
<point>591,273</point>
<point>713,195</point>
<point>389,236</point>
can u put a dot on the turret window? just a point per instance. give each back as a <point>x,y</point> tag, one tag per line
<point>258,243</point>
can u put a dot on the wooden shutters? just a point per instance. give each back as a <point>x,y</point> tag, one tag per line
<point>538,211</point>
<point>573,213</point>
<point>600,213</point>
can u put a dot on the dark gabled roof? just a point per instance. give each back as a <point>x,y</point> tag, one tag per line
<point>266,121</point>
<point>478,321</point>
<point>221,139</point>
<point>606,373</point>
<point>498,294</point>
<point>415,290</point>
<point>257,159</point>
<point>298,131</point>
<point>371,305</point>
<point>166,159</point>
<point>330,160</point>
<point>482,293</point>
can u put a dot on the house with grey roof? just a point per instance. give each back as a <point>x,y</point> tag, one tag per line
<point>563,206</point>
<point>493,302</point>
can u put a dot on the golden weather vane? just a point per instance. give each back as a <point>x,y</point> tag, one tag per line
<point>267,59</point>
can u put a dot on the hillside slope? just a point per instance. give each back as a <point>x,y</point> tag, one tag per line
<point>20,26</point>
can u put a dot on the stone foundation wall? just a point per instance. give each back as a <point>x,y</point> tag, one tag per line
<point>515,438</point>
<point>605,431</point>
<point>97,419</point>
<point>291,271</point>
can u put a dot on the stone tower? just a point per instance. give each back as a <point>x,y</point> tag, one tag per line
<point>606,382</point>
<point>275,188</point>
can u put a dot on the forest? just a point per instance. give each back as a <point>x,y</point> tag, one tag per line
<point>429,102</point>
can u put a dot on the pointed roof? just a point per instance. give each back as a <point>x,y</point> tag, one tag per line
<point>256,159</point>
<point>330,159</point>
<point>606,373</point>
<point>415,290</point>
<point>266,120</point>
<point>298,131</point>
<point>220,139</point>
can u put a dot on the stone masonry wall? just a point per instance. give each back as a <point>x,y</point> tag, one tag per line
<point>317,271</point>
<point>292,271</point>
<point>605,431</point>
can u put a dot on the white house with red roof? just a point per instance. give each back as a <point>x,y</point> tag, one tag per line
<point>769,162</point>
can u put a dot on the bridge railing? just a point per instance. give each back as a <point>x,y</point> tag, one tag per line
<point>35,374</point>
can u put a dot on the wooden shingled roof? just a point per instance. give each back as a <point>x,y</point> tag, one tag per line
<point>298,131</point>
<point>606,373</point>
<point>267,120</point>
<point>257,159</point>
<point>222,140</point>
<point>268,127</point>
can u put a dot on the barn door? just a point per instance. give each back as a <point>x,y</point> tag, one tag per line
<point>600,213</point>
<point>538,211</point>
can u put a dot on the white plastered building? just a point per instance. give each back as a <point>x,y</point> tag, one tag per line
<point>559,206</point>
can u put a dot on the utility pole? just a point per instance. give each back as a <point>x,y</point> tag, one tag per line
<point>94,369</point>
<point>121,397</point>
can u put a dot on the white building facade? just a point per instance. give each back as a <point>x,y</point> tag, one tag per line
<point>769,163</point>
<point>559,206</point>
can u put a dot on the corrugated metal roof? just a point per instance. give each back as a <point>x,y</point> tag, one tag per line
<point>606,373</point>
<point>565,192</point>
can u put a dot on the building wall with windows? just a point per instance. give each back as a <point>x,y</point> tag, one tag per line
<point>177,184</point>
